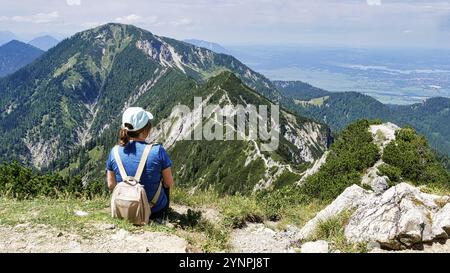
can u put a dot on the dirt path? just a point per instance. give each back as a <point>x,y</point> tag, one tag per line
<point>210,214</point>
<point>257,238</point>
<point>102,238</point>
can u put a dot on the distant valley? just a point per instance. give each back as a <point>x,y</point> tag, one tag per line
<point>392,76</point>
<point>339,109</point>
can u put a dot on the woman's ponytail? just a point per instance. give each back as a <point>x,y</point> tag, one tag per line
<point>123,137</point>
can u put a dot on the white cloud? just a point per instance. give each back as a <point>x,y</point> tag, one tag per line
<point>133,19</point>
<point>229,21</point>
<point>73,2</point>
<point>92,24</point>
<point>37,18</point>
<point>181,22</point>
<point>129,19</point>
<point>374,2</point>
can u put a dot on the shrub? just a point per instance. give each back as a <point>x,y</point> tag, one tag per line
<point>21,182</point>
<point>276,201</point>
<point>394,173</point>
<point>410,154</point>
<point>351,154</point>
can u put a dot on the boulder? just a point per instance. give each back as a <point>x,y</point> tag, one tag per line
<point>315,247</point>
<point>441,220</point>
<point>351,198</point>
<point>399,218</point>
<point>380,184</point>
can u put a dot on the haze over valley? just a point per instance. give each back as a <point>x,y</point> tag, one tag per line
<point>391,75</point>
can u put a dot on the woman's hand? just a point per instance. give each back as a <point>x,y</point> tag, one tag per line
<point>111,179</point>
<point>167,177</point>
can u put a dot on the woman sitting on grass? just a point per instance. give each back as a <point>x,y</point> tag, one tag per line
<point>136,127</point>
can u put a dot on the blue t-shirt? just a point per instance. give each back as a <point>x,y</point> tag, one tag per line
<point>157,161</point>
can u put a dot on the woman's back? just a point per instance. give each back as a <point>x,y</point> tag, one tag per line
<point>157,161</point>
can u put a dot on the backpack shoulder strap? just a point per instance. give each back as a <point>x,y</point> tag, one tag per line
<point>142,163</point>
<point>122,171</point>
<point>157,194</point>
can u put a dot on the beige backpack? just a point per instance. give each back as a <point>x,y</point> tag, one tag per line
<point>129,200</point>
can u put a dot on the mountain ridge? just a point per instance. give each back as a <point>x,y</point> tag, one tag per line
<point>44,42</point>
<point>63,110</point>
<point>209,45</point>
<point>15,55</point>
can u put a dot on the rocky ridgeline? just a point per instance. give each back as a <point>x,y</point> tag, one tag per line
<point>400,217</point>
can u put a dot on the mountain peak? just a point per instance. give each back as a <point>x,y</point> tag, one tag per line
<point>90,77</point>
<point>16,54</point>
<point>18,45</point>
<point>14,43</point>
<point>208,45</point>
<point>117,27</point>
<point>226,80</point>
<point>44,42</point>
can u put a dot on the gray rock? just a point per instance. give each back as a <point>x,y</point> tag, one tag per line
<point>399,218</point>
<point>380,184</point>
<point>352,197</point>
<point>441,220</point>
<point>372,245</point>
<point>315,247</point>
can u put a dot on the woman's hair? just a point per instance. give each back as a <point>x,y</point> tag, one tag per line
<point>125,135</point>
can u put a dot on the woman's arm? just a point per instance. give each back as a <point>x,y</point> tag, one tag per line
<point>167,177</point>
<point>111,179</point>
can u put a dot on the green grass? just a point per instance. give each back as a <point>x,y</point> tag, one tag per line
<point>286,207</point>
<point>238,209</point>
<point>60,213</point>
<point>319,101</point>
<point>316,101</point>
<point>64,68</point>
<point>56,212</point>
<point>435,189</point>
<point>332,231</point>
<point>72,166</point>
<point>68,121</point>
<point>96,153</point>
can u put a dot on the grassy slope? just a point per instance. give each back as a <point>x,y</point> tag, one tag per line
<point>201,233</point>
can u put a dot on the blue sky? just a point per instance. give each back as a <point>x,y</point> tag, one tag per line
<point>387,23</point>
